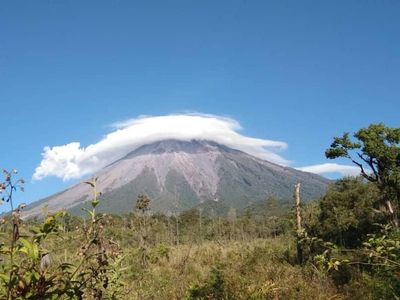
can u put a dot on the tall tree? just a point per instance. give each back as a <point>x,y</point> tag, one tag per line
<point>376,151</point>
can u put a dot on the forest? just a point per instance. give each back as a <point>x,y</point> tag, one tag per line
<point>345,245</point>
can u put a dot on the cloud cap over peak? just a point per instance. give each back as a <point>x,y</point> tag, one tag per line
<point>344,170</point>
<point>73,161</point>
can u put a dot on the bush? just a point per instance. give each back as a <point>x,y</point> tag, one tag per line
<point>27,271</point>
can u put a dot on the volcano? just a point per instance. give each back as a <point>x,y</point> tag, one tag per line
<point>179,175</point>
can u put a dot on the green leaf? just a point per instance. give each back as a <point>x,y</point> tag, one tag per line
<point>4,277</point>
<point>95,203</point>
<point>31,249</point>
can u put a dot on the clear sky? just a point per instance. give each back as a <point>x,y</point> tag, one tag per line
<point>299,72</point>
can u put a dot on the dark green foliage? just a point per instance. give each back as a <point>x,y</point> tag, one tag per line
<point>382,250</point>
<point>214,289</point>
<point>348,212</point>
<point>357,218</point>
<point>376,151</point>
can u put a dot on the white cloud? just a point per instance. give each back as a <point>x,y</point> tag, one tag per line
<point>344,170</point>
<point>73,161</point>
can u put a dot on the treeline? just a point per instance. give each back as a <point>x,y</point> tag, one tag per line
<point>272,218</point>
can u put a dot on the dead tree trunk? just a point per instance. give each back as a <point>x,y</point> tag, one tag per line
<point>299,228</point>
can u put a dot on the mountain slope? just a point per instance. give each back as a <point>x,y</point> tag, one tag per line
<point>178,175</point>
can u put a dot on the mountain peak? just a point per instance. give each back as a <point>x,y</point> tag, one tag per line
<point>175,146</point>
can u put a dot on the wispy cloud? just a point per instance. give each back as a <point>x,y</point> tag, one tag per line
<point>344,170</point>
<point>73,161</point>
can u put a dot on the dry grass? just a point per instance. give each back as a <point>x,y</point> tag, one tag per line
<point>255,269</point>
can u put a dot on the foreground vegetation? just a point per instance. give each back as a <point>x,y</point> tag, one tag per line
<point>346,245</point>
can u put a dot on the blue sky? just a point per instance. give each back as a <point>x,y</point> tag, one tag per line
<point>299,72</point>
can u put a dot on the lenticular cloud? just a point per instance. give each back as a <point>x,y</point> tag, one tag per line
<point>73,161</point>
<point>326,168</point>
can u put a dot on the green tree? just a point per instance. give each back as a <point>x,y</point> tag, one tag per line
<point>347,212</point>
<point>376,151</point>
